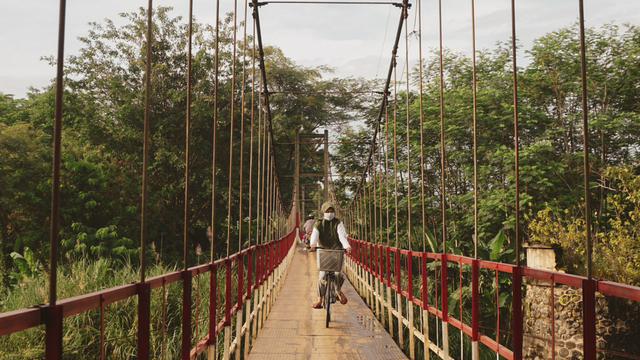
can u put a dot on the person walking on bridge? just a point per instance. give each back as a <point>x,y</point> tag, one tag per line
<point>329,233</point>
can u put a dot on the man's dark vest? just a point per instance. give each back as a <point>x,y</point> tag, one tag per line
<point>328,230</point>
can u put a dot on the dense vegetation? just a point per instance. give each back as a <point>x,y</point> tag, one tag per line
<point>551,149</point>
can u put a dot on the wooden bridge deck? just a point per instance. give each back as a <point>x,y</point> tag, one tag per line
<point>294,330</point>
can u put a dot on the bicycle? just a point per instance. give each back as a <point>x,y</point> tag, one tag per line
<point>329,261</point>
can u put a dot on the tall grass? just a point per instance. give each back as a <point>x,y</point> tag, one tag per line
<point>81,337</point>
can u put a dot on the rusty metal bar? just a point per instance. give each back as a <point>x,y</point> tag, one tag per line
<point>232,116</point>
<point>144,290</point>
<point>144,317</point>
<point>443,174</point>
<point>330,3</point>
<point>101,328</point>
<point>57,136</point>
<point>585,121</point>
<point>517,273</point>
<point>395,147</point>
<point>515,127</point>
<point>330,142</point>
<point>186,314</point>
<point>405,11</point>
<point>327,92</point>
<point>589,319</point>
<point>517,312</point>
<point>475,133</point>
<point>421,126</point>
<point>187,131</point>
<point>253,93</point>
<point>53,312</point>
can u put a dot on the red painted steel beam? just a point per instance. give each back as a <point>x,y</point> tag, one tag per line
<point>475,302</point>
<point>409,275</point>
<point>619,290</point>
<point>82,303</point>
<point>423,263</point>
<point>250,269</point>
<point>589,319</point>
<point>491,344</point>
<point>213,300</point>
<point>460,325</point>
<point>186,314</point>
<point>227,296</point>
<point>516,300</point>
<point>240,280</point>
<point>443,287</point>
<point>144,317</point>
<point>54,331</point>
<point>18,320</point>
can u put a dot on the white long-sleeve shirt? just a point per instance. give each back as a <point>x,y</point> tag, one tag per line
<point>342,235</point>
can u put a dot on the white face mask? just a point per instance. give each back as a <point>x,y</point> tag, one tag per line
<point>329,216</point>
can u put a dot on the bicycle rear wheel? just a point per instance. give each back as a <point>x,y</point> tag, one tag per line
<point>327,299</point>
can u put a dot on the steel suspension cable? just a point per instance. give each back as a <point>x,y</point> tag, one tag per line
<point>242,121</point>
<point>369,201</point>
<point>442,144</point>
<point>260,180</point>
<point>215,127</point>
<point>253,93</point>
<point>585,125</point>
<point>424,224</point>
<point>188,137</point>
<point>269,190</point>
<point>213,292</point>
<point>232,102</point>
<point>375,213</point>
<point>380,180</point>
<point>515,127</point>
<point>145,150</point>
<point>442,176</point>
<point>395,146</point>
<point>475,134</point>
<point>406,41</point>
<point>386,164</point>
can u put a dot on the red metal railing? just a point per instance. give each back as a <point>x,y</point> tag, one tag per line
<point>394,267</point>
<point>261,261</point>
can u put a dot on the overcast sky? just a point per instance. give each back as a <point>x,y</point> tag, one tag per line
<point>355,39</point>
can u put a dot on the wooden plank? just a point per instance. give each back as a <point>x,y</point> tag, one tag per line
<point>295,330</point>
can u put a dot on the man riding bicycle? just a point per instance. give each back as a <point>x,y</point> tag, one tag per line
<point>329,233</point>
<point>308,229</point>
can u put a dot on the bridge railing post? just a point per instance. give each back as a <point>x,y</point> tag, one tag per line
<point>213,305</point>
<point>589,319</point>
<point>144,316</point>
<point>186,315</point>
<point>443,302</point>
<point>425,304</point>
<point>517,313</point>
<point>475,311</point>
<point>53,328</point>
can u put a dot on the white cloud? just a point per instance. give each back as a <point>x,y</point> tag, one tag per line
<point>348,37</point>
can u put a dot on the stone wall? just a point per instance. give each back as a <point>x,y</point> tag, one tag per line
<point>617,323</point>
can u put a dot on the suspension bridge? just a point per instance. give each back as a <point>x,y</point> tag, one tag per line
<point>403,302</point>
